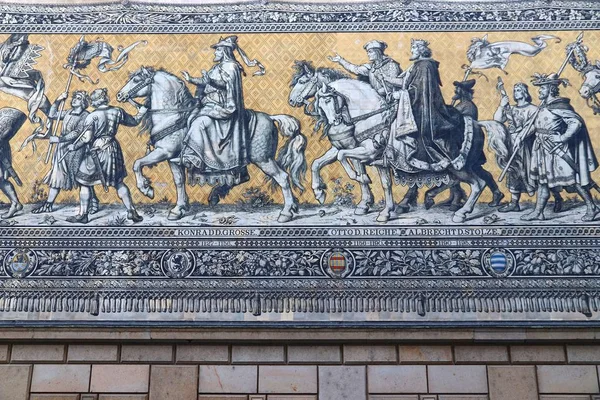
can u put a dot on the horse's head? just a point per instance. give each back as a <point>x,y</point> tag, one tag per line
<point>332,105</point>
<point>138,85</point>
<point>591,81</point>
<point>304,83</point>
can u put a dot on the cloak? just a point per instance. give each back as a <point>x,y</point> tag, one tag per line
<point>580,145</point>
<point>440,127</point>
<point>218,137</point>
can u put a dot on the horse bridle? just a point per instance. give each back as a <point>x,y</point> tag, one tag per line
<point>593,90</point>
<point>139,86</point>
<point>338,106</point>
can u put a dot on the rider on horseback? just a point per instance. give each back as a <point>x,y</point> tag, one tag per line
<point>377,70</point>
<point>438,136</point>
<point>219,154</point>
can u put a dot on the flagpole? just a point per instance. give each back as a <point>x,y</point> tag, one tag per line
<point>62,105</point>
<point>532,119</point>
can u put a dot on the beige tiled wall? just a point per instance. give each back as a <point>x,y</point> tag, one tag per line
<point>299,371</point>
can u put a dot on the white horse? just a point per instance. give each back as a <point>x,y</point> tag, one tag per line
<point>170,104</point>
<point>339,97</point>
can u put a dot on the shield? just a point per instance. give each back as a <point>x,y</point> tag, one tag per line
<point>337,263</point>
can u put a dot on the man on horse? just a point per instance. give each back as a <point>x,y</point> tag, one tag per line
<point>379,67</point>
<point>217,144</point>
<point>438,136</point>
<point>563,155</point>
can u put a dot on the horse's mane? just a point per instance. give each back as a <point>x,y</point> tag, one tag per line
<point>183,96</point>
<point>332,74</point>
<point>301,66</point>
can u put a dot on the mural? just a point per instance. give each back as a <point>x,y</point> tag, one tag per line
<point>317,149</point>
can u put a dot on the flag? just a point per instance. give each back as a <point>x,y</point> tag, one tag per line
<point>19,78</point>
<point>482,54</point>
<point>84,52</point>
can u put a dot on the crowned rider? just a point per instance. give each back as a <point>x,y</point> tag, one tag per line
<point>437,136</point>
<point>216,148</point>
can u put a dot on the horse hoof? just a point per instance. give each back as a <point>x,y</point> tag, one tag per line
<point>383,218</point>
<point>428,203</point>
<point>283,218</point>
<point>459,218</point>
<point>320,196</point>
<point>175,216</point>
<point>361,210</point>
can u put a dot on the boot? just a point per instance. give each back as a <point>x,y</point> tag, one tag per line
<point>496,199</point>
<point>510,207</point>
<point>217,193</point>
<point>558,201</point>
<point>428,202</point>
<point>540,204</point>
<point>78,219</point>
<point>134,216</point>
<point>592,209</point>
<point>94,206</point>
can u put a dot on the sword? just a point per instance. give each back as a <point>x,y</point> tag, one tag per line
<point>528,127</point>
<point>98,166</point>
<point>559,151</point>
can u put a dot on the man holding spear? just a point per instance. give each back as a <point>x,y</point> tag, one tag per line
<point>65,164</point>
<point>562,152</point>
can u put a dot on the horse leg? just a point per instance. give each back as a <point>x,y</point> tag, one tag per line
<point>290,205</point>
<point>361,154</point>
<point>386,182</point>
<point>154,157</point>
<point>491,183</point>
<point>410,198</point>
<point>476,184</point>
<point>367,198</point>
<point>431,193</point>
<point>318,186</point>
<point>182,205</point>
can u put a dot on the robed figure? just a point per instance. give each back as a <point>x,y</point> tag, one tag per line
<point>216,148</point>
<point>438,134</point>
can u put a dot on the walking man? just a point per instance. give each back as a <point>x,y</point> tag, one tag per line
<point>562,152</point>
<point>103,163</point>
<point>64,163</point>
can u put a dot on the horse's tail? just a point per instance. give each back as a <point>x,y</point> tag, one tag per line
<point>291,156</point>
<point>499,141</point>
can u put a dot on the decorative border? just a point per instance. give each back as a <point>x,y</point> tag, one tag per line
<point>263,16</point>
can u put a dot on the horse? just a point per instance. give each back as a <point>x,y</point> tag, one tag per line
<point>591,85</point>
<point>169,105</point>
<point>335,99</point>
<point>304,86</point>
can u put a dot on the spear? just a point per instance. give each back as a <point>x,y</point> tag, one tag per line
<point>62,103</point>
<point>527,129</point>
